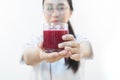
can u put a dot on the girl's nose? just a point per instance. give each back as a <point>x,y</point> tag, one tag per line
<point>55,13</point>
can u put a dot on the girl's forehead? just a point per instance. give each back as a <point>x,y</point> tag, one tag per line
<point>56,2</point>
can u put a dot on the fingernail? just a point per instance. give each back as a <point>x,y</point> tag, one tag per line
<point>60,45</point>
<point>63,37</point>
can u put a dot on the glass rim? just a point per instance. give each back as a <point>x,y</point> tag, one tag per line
<point>53,25</point>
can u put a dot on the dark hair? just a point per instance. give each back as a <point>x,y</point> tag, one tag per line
<point>69,62</point>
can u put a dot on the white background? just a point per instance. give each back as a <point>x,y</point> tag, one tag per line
<point>99,19</point>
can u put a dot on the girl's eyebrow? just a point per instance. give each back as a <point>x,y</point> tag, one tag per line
<point>61,4</point>
<point>48,4</point>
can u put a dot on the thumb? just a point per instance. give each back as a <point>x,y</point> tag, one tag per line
<point>40,45</point>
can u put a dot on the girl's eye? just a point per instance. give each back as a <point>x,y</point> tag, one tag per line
<point>49,8</point>
<point>61,8</point>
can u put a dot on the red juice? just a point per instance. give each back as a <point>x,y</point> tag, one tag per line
<point>52,38</point>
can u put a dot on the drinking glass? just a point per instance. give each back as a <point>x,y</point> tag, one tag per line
<point>52,36</point>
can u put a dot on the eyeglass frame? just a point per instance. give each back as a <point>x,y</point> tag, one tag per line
<point>54,8</point>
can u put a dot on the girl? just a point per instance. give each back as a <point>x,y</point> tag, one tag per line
<point>63,65</point>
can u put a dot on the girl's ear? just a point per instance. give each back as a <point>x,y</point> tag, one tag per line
<point>71,13</point>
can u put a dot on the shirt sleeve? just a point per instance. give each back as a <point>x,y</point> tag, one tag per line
<point>81,37</point>
<point>31,42</point>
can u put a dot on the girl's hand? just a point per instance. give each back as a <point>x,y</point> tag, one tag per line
<point>53,56</point>
<point>72,47</point>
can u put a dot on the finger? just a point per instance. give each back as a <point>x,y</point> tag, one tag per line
<point>51,55</point>
<point>69,44</point>
<point>63,52</point>
<point>68,54</point>
<point>68,37</point>
<point>42,55</point>
<point>75,57</point>
<point>53,58</point>
<point>72,50</point>
<point>60,55</point>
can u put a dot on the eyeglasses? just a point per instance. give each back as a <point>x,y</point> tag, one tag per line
<point>49,9</point>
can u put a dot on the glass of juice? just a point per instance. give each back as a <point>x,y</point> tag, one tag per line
<point>52,36</point>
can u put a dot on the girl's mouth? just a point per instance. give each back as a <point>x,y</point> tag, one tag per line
<point>54,20</point>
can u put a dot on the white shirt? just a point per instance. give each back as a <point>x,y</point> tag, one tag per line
<point>58,69</point>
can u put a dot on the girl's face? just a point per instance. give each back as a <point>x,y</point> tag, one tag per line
<point>57,11</point>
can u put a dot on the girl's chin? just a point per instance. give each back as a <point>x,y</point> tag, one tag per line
<point>57,22</point>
